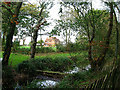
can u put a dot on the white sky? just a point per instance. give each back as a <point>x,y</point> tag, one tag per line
<point>54,14</point>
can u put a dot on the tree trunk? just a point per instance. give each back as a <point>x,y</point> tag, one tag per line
<point>34,42</point>
<point>69,37</point>
<point>117,36</point>
<point>35,34</point>
<point>41,40</point>
<point>23,42</point>
<point>9,37</point>
<point>66,38</point>
<point>90,52</point>
<point>103,54</point>
<point>3,40</point>
<point>8,44</point>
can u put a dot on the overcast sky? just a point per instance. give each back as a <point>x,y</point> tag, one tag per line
<point>54,15</point>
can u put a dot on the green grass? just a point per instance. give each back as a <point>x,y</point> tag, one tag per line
<point>1,54</point>
<point>53,55</point>
<point>17,58</point>
<point>24,46</point>
<point>54,48</point>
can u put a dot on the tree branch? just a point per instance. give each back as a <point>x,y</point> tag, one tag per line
<point>8,9</point>
<point>118,9</point>
<point>17,8</point>
<point>41,11</point>
<point>41,24</point>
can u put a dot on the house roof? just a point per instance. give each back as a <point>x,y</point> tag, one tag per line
<point>52,38</point>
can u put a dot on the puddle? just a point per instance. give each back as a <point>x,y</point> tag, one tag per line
<point>46,83</point>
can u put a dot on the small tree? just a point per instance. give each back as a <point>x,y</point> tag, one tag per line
<point>40,42</point>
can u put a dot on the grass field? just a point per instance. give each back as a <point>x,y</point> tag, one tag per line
<point>18,58</point>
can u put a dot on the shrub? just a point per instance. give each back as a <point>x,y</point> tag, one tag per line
<point>22,50</point>
<point>75,47</point>
<point>26,67</point>
<point>44,50</point>
<point>38,50</point>
<point>60,48</point>
<point>8,81</point>
<point>61,64</point>
<point>75,80</point>
<point>47,63</point>
<point>16,45</point>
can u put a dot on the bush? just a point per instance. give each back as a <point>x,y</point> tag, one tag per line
<point>75,47</point>
<point>60,48</point>
<point>22,50</point>
<point>16,45</point>
<point>75,80</point>
<point>8,81</point>
<point>53,64</point>
<point>61,64</point>
<point>38,50</point>
<point>44,50</point>
<point>26,67</point>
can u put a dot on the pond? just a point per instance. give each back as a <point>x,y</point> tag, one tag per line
<point>45,81</point>
<point>49,82</point>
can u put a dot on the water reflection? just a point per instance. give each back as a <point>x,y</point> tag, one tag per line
<point>46,83</point>
<point>77,69</point>
<point>88,67</point>
<point>1,59</point>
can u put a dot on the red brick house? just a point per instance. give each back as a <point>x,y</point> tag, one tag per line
<point>51,42</point>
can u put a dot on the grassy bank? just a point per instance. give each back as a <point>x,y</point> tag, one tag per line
<point>79,58</point>
<point>16,58</point>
